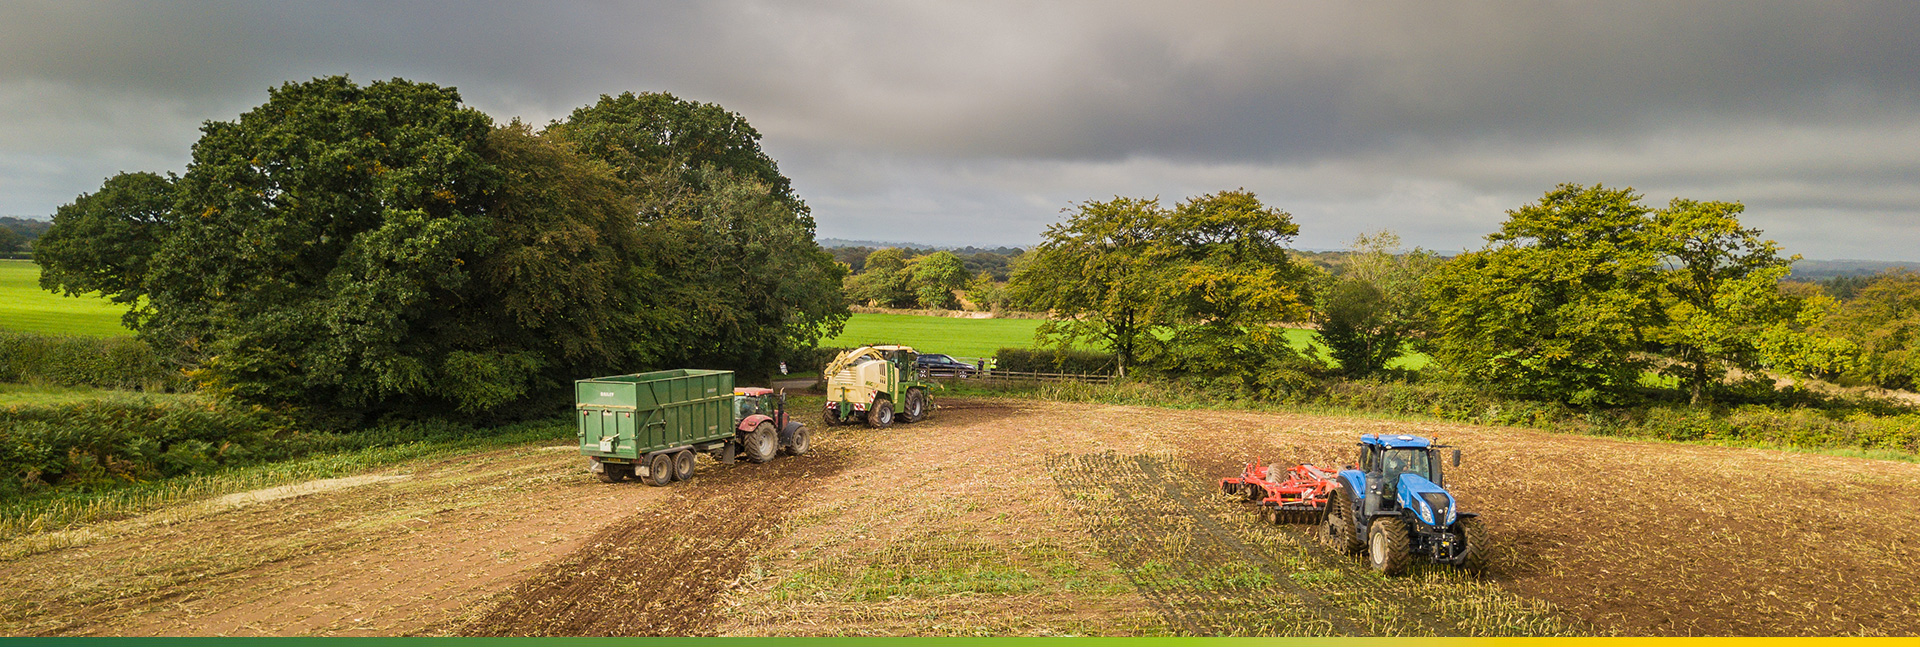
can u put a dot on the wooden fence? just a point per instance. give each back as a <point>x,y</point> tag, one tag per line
<point>1007,377</point>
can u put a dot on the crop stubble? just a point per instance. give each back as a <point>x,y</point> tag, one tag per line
<point>1212,571</point>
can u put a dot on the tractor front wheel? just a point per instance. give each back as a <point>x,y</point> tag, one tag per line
<point>880,415</point>
<point>761,444</point>
<point>1387,546</point>
<point>916,406</point>
<point>1474,536</point>
<point>660,469</point>
<point>800,443</point>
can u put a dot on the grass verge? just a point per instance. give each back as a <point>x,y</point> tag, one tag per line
<point>59,509</point>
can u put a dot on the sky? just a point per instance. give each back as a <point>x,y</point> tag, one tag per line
<point>980,122</point>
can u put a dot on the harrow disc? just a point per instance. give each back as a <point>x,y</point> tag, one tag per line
<point>1297,516</point>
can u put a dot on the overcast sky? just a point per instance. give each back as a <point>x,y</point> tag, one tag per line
<point>976,123</point>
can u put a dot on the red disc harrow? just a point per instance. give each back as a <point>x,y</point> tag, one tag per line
<point>1295,495</point>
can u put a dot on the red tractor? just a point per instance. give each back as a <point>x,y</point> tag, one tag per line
<point>1295,495</point>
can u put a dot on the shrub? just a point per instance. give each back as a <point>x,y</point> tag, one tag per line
<point>97,443</point>
<point>814,359</point>
<point>104,362</point>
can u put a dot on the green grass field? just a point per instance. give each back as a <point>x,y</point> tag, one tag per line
<point>26,307</point>
<point>962,337</point>
<point>984,337</point>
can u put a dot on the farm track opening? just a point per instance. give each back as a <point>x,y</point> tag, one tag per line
<point>1214,574</point>
<point>660,572</point>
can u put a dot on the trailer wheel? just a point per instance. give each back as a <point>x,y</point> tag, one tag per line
<point>799,444</point>
<point>1338,527</point>
<point>659,470</point>
<point>1474,536</point>
<point>683,465</point>
<point>1387,546</point>
<point>761,443</point>
<point>916,406</point>
<point>880,415</point>
<point>614,472</point>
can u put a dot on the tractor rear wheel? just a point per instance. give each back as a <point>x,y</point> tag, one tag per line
<point>880,415</point>
<point>915,409</point>
<point>1387,546</point>
<point>1474,536</point>
<point>761,444</point>
<point>683,465</point>
<point>1338,527</point>
<point>614,472</point>
<point>660,469</point>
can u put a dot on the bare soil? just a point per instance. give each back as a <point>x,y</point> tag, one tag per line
<point>1006,517</point>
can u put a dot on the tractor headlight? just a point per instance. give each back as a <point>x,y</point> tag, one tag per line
<point>1441,506</point>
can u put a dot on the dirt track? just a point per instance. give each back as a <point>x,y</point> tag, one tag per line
<point>999,518</point>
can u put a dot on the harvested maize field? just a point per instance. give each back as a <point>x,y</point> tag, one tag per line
<point>1003,517</point>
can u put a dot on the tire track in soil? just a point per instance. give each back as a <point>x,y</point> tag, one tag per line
<point>1211,573</point>
<point>661,572</point>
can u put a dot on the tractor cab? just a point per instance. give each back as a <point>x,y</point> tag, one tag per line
<point>1406,473</point>
<point>753,401</point>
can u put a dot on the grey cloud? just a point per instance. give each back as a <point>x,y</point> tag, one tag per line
<point>977,122</point>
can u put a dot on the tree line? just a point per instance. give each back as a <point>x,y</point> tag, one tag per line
<point>386,248</point>
<point>895,277</point>
<point>1586,296</point>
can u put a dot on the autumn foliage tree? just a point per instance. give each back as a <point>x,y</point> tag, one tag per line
<point>1583,292</point>
<point>1196,290</point>
<point>385,248</point>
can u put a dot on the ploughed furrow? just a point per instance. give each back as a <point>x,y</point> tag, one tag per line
<point>1212,567</point>
<point>661,572</point>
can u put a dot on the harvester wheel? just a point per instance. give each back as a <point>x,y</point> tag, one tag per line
<point>660,470</point>
<point>915,407</point>
<point>1387,546</point>
<point>614,472</point>
<point>799,444</point>
<point>1475,536</point>
<point>880,415</point>
<point>761,444</point>
<point>1338,526</point>
<point>683,465</point>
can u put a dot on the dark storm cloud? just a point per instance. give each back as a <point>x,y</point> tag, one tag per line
<point>972,122</point>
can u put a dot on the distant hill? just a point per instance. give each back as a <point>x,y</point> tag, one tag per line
<point>29,227</point>
<point>1809,270</point>
<point>842,242</point>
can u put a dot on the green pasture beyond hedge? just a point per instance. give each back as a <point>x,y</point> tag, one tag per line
<point>27,308</point>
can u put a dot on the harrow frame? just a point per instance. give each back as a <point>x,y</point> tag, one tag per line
<point>1296,495</point>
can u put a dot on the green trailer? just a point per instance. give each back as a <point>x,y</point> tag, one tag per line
<point>650,425</point>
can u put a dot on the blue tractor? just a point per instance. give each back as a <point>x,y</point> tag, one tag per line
<point>1395,505</point>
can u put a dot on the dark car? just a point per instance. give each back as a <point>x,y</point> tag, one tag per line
<point>937,364</point>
